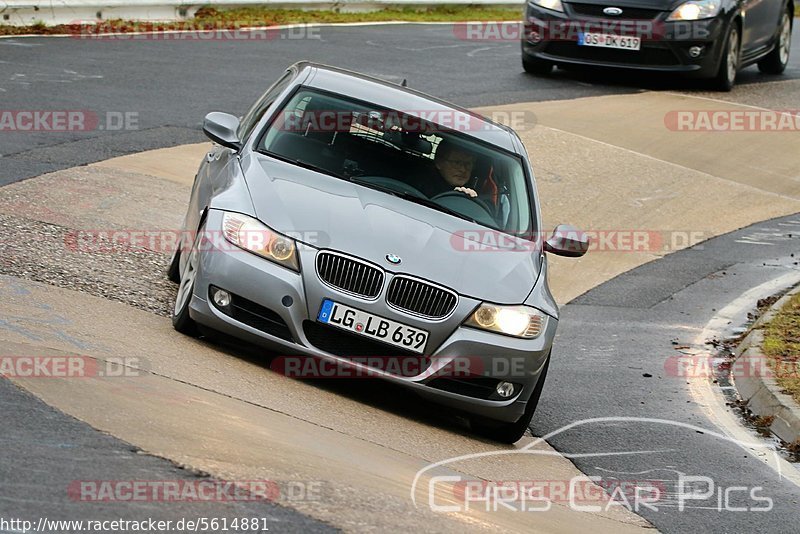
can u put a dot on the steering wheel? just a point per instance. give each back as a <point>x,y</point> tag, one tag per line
<point>455,201</point>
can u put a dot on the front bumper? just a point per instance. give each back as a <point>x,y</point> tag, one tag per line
<point>293,300</point>
<point>553,36</point>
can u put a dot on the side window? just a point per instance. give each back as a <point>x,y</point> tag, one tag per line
<point>260,107</point>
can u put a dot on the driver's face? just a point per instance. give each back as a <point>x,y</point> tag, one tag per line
<point>456,167</point>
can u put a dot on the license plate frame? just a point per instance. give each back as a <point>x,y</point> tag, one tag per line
<point>372,326</point>
<point>607,40</point>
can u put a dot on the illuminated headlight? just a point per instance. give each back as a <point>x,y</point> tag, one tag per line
<point>553,5</point>
<point>696,10</point>
<point>517,321</point>
<point>251,235</point>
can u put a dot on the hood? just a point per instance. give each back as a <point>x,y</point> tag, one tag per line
<point>327,212</point>
<point>660,5</point>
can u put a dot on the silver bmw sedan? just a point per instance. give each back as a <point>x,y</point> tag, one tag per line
<point>356,227</point>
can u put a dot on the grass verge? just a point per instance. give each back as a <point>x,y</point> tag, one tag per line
<point>782,346</point>
<point>210,18</point>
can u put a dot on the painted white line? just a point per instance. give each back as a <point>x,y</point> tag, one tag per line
<point>11,42</point>
<point>420,49</point>
<point>746,242</point>
<point>707,395</point>
<point>477,50</point>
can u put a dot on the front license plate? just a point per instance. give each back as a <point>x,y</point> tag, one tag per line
<point>604,40</point>
<point>373,326</point>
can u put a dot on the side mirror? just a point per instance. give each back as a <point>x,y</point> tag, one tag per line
<point>567,241</point>
<point>221,128</point>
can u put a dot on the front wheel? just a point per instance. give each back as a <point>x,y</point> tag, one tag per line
<point>181,320</point>
<point>775,62</point>
<point>729,65</point>
<point>512,432</point>
<point>538,67</point>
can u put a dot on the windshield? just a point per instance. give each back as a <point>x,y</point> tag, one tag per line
<point>404,156</point>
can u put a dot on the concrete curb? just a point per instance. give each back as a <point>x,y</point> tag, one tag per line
<point>245,29</point>
<point>758,389</point>
<point>52,12</point>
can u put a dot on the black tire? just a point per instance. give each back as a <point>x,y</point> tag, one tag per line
<point>729,63</point>
<point>512,432</point>
<point>174,269</point>
<point>181,320</point>
<point>775,62</point>
<point>537,67</point>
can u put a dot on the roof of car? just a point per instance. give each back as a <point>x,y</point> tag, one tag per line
<point>405,99</point>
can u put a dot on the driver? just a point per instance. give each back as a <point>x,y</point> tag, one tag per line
<point>454,165</point>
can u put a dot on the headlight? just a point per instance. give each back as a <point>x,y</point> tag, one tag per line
<point>251,235</point>
<point>696,10</point>
<point>517,321</point>
<point>554,5</point>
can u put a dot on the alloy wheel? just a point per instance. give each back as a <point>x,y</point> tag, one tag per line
<point>785,41</point>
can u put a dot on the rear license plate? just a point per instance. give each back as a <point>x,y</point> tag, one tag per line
<point>604,40</point>
<point>372,326</point>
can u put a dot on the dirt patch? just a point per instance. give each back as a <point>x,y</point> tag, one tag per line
<point>38,251</point>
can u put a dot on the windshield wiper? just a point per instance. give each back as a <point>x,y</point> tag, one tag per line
<point>438,207</point>
<point>311,166</point>
<point>415,199</point>
<point>304,164</point>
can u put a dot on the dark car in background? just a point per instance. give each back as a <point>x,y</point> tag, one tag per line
<point>710,39</point>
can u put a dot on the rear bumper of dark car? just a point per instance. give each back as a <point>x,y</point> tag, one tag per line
<point>665,47</point>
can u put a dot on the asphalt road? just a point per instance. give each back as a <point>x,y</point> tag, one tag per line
<point>45,452</point>
<point>610,339</point>
<point>171,85</point>
<point>616,355</point>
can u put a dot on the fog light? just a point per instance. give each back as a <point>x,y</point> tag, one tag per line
<point>695,51</point>
<point>221,297</point>
<point>505,389</point>
<point>534,37</point>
